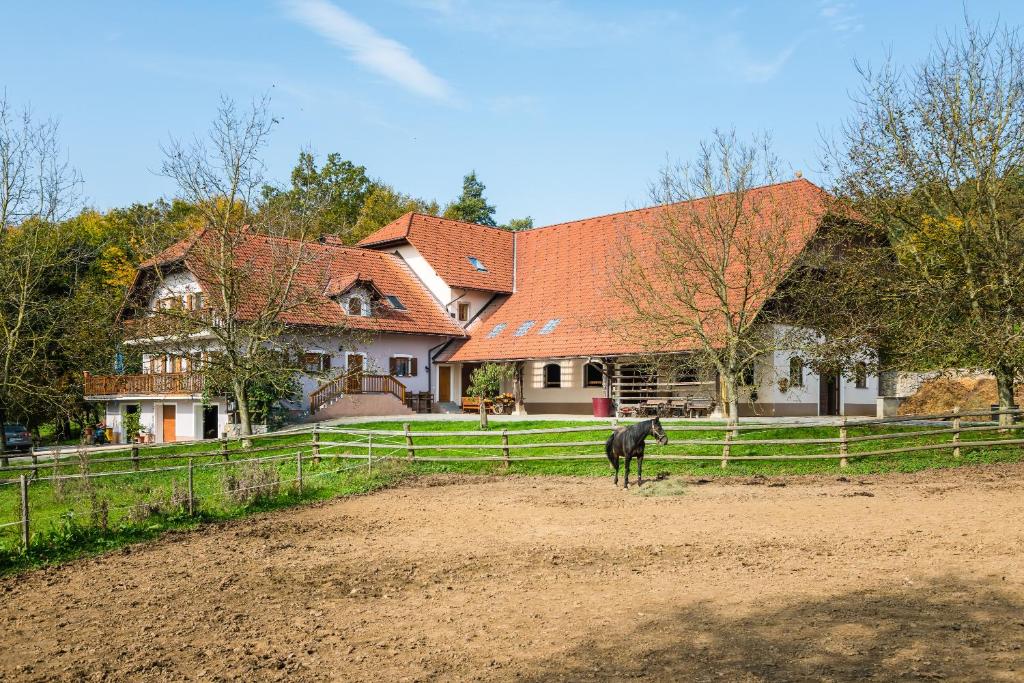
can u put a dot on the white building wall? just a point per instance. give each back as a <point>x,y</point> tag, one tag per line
<point>188,417</point>
<point>175,284</point>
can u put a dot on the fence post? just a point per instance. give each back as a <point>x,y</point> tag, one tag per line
<point>135,457</point>
<point>369,454</point>
<point>725,448</point>
<point>298,471</point>
<point>35,461</point>
<point>504,444</point>
<point>224,448</point>
<point>191,491</point>
<point>316,445</point>
<point>25,536</point>
<point>408,442</point>
<point>956,431</point>
<point>843,445</point>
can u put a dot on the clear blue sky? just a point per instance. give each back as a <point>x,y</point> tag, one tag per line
<point>565,108</point>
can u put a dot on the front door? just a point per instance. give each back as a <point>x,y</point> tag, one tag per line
<point>444,383</point>
<point>210,422</point>
<point>354,383</point>
<point>170,413</point>
<point>828,394</point>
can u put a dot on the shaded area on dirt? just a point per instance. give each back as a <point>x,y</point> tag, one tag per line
<point>948,629</point>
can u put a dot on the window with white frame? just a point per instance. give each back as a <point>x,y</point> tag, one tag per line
<point>860,375</point>
<point>552,376</point>
<point>403,366</point>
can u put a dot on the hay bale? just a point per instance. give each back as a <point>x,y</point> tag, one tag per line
<point>942,394</point>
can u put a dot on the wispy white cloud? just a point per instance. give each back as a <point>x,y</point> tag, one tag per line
<point>736,57</point>
<point>367,47</point>
<point>841,17</point>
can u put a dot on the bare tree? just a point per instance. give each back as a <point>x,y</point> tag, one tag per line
<point>698,268</point>
<point>243,335</point>
<point>37,190</point>
<point>933,159</point>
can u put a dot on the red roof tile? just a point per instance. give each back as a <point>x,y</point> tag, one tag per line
<point>447,246</point>
<point>562,274</point>
<point>325,271</point>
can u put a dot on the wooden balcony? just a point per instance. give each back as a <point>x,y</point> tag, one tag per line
<point>154,384</point>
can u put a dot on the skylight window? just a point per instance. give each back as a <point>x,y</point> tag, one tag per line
<point>477,263</point>
<point>550,326</point>
<point>395,302</point>
<point>496,330</point>
<point>524,328</point>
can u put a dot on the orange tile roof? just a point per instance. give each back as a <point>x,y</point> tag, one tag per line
<point>325,271</point>
<point>447,246</point>
<point>562,274</point>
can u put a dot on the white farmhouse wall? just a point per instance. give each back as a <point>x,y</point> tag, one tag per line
<point>175,284</point>
<point>570,397</point>
<point>425,272</point>
<point>188,417</point>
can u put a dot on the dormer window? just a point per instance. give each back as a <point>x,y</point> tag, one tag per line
<point>477,263</point>
<point>355,305</point>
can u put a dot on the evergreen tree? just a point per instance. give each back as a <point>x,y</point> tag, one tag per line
<point>471,206</point>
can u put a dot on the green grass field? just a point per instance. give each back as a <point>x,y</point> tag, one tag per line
<point>72,516</point>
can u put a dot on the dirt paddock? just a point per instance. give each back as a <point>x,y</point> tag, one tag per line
<point>897,577</point>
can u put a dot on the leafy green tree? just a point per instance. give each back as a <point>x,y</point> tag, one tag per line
<point>471,206</point>
<point>933,158</point>
<point>383,205</point>
<point>338,190</point>
<point>517,224</point>
<point>485,383</point>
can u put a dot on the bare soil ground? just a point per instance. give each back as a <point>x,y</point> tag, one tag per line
<point>898,577</point>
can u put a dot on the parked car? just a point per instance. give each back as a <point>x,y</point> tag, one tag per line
<point>18,438</point>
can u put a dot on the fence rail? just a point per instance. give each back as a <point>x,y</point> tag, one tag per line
<point>723,442</point>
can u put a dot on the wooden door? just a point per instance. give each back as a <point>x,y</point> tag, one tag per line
<point>355,373</point>
<point>169,419</point>
<point>444,383</point>
<point>828,394</point>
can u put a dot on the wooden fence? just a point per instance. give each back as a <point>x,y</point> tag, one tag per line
<point>720,442</point>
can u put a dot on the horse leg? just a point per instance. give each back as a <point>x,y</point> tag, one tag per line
<point>625,481</point>
<point>615,464</point>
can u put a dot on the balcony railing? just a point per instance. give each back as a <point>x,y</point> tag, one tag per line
<point>154,384</point>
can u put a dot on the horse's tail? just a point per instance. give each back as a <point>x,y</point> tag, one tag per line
<point>608,448</point>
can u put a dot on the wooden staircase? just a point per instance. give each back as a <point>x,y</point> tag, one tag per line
<point>356,383</point>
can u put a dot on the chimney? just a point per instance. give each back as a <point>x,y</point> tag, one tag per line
<point>799,175</point>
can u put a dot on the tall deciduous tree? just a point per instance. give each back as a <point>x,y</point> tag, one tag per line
<point>933,158</point>
<point>251,283</point>
<point>383,205</point>
<point>471,206</point>
<point>336,191</point>
<point>37,190</point>
<point>716,251</point>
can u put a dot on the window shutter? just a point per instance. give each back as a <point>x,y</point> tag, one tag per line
<point>393,366</point>
<point>326,364</point>
<point>412,366</point>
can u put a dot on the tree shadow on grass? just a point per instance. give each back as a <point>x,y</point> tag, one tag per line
<point>944,630</point>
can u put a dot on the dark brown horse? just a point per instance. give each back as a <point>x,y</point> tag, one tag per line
<point>628,442</point>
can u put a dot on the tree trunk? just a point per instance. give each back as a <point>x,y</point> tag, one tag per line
<point>731,399</point>
<point>3,439</point>
<point>1005,377</point>
<point>483,413</point>
<point>244,414</point>
<point>517,389</point>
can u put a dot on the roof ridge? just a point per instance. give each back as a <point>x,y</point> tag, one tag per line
<point>656,206</point>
